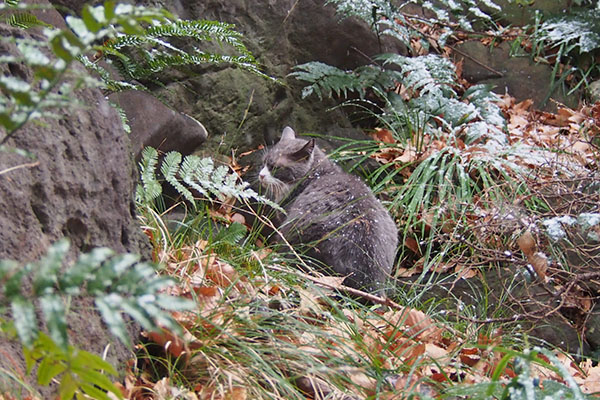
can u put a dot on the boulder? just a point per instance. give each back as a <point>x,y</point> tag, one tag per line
<point>242,110</point>
<point>154,124</point>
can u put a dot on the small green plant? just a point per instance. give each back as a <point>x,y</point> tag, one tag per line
<point>117,283</point>
<point>525,385</point>
<point>431,100</point>
<point>570,43</point>
<point>79,372</point>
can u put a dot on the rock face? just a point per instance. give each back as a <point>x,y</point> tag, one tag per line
<point>80,185</point>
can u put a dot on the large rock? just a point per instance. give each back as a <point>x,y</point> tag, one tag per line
<point>518,76</point>
<point>242,110</point>
<point>154,124</point>
<point>80,185</point>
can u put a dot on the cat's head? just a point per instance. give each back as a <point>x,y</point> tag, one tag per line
<point>286,163</point>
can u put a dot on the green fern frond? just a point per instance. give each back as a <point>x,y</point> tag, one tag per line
<point>150,52</point>
<point>170,169</point>
<point>425,74</point>
<point>326,80</point>
<point>580,29</point>
<point>193,171</point>
<point>198,174</point>
<point>136,38</point>
<point>24,20</point>
<point>150,188</point>
<point>390,18</point>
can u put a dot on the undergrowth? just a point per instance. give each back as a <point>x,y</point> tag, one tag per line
<point>265,330</point>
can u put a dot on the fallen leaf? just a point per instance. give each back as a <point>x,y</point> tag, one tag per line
<point>526,243</point>
<point>171,343</point>
<point>383,135</point>
<point>221,273</point>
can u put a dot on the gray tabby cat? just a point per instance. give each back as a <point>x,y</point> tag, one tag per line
<point>333,214</point>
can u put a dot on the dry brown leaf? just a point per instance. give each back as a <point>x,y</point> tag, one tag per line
<point>383,135</point>
<point>364,381</point>
<point>413,245</point>
<point>522,106</point>
<point>163,390</point>
<point>221,273</point>
<point>526,243</point>
<point>441,267</point>
<point>236,393</point>
<point>239,218</point>
<point>409,155</point>
<point>171,343</point>
<point>417,324</point>
<point>261,254</point>
<point>334,282</point>
<point>405,272</point>
<point>437,353</point>
<point>539,262</point>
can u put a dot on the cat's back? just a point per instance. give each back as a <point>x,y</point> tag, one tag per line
<point>330,189</point>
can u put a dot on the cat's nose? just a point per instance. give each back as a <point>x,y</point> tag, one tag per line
<point>262,174</point>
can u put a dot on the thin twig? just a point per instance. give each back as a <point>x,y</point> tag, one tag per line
<point>355,292</point>
<point>476,61</point>
<point>16,167</point>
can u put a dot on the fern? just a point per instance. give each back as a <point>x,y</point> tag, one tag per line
<point>151,51</point>
<point>25,20</point>
<point>150,188</point>
<point>325,80</point>
<point>430,84</point>
<point>428,74</point>
<point>579,29</point>
<point>117,283</point>
<point>192,173</point>
<point>169,169</point>
<point>388,17</point>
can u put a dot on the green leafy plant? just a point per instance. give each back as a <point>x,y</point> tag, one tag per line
<point>525,385</point>
<point>570,43</point>
<point>192,173</point>
<point>156,48</point>
<point>78,371</point>
<point>117,283</point>
<point>326,80</point>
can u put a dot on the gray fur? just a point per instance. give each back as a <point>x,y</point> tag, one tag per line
<point>332,213</point>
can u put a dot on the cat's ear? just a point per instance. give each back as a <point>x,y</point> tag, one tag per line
<point>288,134</point>
<point>305,152</point>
